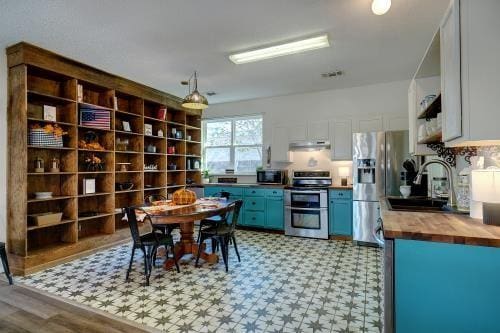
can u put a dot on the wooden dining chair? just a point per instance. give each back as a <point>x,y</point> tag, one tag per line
<point>148,243</point>
<point>164,228</point>
<point>222,233</point>
<point>5,262</point>
<point>212,221</point>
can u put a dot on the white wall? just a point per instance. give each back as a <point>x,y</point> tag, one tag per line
<point>3,148</point>
<point>379,99</point>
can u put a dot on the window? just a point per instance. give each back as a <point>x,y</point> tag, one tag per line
<point>232,143</point>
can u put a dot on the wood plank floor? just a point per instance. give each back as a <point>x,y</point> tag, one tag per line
<point>25,310</point>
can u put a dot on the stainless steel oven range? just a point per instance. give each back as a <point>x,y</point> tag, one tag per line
<point>306,204</point>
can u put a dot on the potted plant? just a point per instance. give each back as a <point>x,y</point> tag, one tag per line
<point>205,177</point>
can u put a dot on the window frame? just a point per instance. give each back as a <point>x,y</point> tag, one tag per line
<point>232,147</point>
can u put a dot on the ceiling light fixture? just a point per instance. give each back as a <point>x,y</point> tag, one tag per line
<point>194,100</point>
<point>380,7</point>
<point>303,45</point>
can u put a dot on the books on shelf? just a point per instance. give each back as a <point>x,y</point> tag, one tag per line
<point>95,118</point>
<point>162,113</point>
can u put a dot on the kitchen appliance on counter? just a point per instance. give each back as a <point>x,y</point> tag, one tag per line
<point>377,162</point>
<point>272,176</point>
<point>306,204</point>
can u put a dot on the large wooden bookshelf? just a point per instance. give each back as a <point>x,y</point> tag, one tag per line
<point>90,222</point>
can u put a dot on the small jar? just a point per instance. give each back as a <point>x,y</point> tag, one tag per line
<point>463,193</point>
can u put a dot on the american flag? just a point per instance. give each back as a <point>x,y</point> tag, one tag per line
<point>95,118</point>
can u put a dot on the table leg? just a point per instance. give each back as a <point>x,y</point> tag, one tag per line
<point>187,245</point>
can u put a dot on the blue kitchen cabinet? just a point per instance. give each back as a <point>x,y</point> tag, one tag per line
<point>340,213</point>
<point>262,207</point>
<point>274,212</point>
<point>254,205</point>
<point>442,287</point>
<point>235,193</point>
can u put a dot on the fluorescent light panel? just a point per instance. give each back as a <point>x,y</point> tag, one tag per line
<point>281,50</point>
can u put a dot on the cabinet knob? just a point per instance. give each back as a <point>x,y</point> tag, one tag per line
<point>253,202</point>
<point>253,218</point>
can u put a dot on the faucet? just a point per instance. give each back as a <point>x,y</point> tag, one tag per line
<point>418,179</point>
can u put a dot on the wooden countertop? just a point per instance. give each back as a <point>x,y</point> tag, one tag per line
<point>438,227</point>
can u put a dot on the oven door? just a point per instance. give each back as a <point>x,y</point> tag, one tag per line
<point>306,222</point>
<point>306,199</point>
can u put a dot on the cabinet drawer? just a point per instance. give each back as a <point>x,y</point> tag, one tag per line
<point>274,193</point>
<point>233,191</point>
<point>340,194</point>
<point>254,203</point>
<point>254,192</point>
<point>257,219</point>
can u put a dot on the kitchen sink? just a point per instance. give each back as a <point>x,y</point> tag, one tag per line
<point>418,204</point>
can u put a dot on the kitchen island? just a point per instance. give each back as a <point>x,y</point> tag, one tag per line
<point>441,272</point>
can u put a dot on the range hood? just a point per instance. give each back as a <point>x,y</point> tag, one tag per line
<point>309,145</point>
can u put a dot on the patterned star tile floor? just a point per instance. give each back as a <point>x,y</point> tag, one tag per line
<point>283,284</point>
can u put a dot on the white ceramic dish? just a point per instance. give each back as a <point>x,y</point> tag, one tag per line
<point>43,195</point>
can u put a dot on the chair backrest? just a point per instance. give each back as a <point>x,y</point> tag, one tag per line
<point>235,207</point>
<point>133,225</point>
<point>154,197</point>
<point>223,194</point>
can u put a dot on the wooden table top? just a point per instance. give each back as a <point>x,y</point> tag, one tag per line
<point>202,209</point>
<point>438,227</point>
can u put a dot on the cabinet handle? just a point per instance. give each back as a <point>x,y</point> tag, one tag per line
<point>275,192</point>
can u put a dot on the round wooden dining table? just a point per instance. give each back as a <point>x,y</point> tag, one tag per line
<point>185,216</point>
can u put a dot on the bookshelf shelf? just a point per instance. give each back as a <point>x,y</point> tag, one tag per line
<point>46,78</point>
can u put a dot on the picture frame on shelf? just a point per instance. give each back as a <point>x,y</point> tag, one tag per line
<point>49,113</point>
<point>126,126</point>
<point>148,129</point>
<point>88,186</point>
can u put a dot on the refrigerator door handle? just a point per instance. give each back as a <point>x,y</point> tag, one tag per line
<point>379,232</point>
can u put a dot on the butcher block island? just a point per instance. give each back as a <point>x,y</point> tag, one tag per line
<point>441,272</point>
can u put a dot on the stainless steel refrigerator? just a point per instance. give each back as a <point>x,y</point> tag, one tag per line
<point>377,162</point>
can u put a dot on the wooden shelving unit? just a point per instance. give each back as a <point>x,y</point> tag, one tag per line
<point>90,222</point>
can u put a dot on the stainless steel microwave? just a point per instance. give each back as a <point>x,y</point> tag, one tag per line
<point>271,176</point>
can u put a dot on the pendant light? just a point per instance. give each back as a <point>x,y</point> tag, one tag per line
<point>194,100</point>
<point>380,7</point>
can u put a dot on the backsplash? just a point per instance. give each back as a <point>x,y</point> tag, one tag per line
<point>314,160</point>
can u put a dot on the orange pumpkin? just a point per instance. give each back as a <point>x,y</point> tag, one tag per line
<point>183,197</point>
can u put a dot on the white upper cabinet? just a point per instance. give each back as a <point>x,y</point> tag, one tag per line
<point>341,139</point>
<point>279,146</point>
<point>297,132</point>
<point>369,124</point>
<point>451,100</point>
<point>317,131</point>
<point>412,115</point>
<point>470,71</point>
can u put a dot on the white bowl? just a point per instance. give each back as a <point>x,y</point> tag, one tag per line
<point>43,195</point>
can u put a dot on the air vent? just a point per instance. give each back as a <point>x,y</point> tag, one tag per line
<point>332,74</point>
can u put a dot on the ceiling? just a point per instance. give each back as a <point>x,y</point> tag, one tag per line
<point>160,42</point>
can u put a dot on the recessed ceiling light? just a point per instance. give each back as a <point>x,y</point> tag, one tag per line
<point>279,50</point>
<point>380,7</point>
